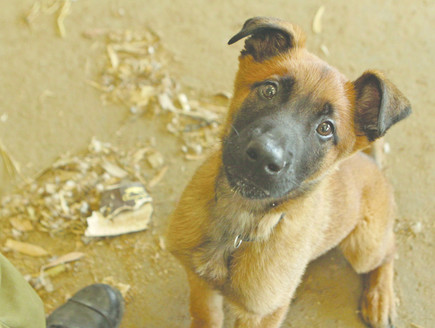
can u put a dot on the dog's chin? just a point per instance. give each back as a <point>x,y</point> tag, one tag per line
<point>249,190</point>
<point>252,190</point>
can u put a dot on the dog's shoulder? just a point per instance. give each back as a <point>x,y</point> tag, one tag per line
<point>358,173</point>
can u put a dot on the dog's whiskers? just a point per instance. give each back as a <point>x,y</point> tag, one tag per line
<point>235,130</point>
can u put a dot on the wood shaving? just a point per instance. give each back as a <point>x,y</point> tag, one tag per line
<point>97,85</point>
<point>162,243</point>
<point>33,13</point>
<point>317,21</point>
<point>114,170</point>
<point>64,11</point>
<point>195,157</point>
<point>123,288</point>
<point>54,270</point>
<point>125,222</point>
<point>11,166</point>
<point>25,248</point>
<point>48,8</point>
<point>224,94</point>
<point>139,155</point>
<point>155,159</point>
<point>70,257</point>
<point>135,77</point>
<point>114,60</point>
<point>63,196</point>
<point>415,325</point>
<point>325,50</point>
<point>158,177</point>
<point>22,225</point>
<point>417,228</point>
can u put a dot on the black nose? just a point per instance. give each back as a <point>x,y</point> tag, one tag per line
<point>267,156</point>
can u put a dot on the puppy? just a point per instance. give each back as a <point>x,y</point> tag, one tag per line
<point>288,183</point>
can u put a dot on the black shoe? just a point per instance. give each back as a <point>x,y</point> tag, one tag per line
<point>95,306</point>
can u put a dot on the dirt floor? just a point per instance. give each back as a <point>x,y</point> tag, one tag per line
<point>48,108</point>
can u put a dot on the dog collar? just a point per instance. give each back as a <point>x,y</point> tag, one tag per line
<point>238,241</point>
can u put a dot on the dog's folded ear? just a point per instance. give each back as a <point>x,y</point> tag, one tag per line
<point>379,104</point>
<point>269,37</point>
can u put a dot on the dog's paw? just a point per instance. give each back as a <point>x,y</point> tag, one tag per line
<point>378,308</point>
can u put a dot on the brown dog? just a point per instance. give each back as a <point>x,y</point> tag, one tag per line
<point>287,184</point>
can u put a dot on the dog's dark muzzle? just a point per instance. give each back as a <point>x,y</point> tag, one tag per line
<point>258,163</point>
<point>266,156</point>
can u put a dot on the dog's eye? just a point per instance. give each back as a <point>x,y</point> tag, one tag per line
<point>268,90</point>
<point>325,128</point>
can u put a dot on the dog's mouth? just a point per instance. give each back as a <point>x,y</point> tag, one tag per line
<point>249,187</point>
<point>246,187</point>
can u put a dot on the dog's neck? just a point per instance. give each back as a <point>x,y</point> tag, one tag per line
<point>235,220</point>
<point>234,215</point>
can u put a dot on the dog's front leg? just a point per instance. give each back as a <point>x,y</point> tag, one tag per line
<point>272,320</point>
<point>205,304</point>
<point>370,249</point>
<point>378,300</point>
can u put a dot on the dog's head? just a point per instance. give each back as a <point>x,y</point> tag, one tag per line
<point>293,116</point>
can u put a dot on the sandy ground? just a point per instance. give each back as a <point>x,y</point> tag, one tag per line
<point>47,109</point>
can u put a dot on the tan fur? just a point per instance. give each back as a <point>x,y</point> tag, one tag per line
<point>351,206</point>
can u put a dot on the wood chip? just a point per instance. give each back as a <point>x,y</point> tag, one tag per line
<point>135,77</point>
<point>224,94</point>
<point>191,157</point>
<point>155,159</point>
<point>415,325</point>
<point>26,248</point>
<point>113,57</point>
<point>97,85</point>
<point>34,12</point>
<point>184,102</point>
<point>158,177</point>
<point>166,102</point>
<point>64,11</point>
<point>11,166</point>
<point>123,288</point>
<point>317,21</point>
<point>140,154</point>
<point>54,271</point>
<point>21,224</point>
<point>417,228</point>
<point>125,222</point>
<point>70,257</point>
<point>50,188</point>
<point>94,33</point>
<point>114,170</point>
<point>162,243</point>
<point>51,7</point>
<point>325,50</point>
<point>63,204</point>
<point>135,48</point>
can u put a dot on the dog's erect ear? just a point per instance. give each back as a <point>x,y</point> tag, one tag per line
<point>269,37</point>
<point>379,104</point>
